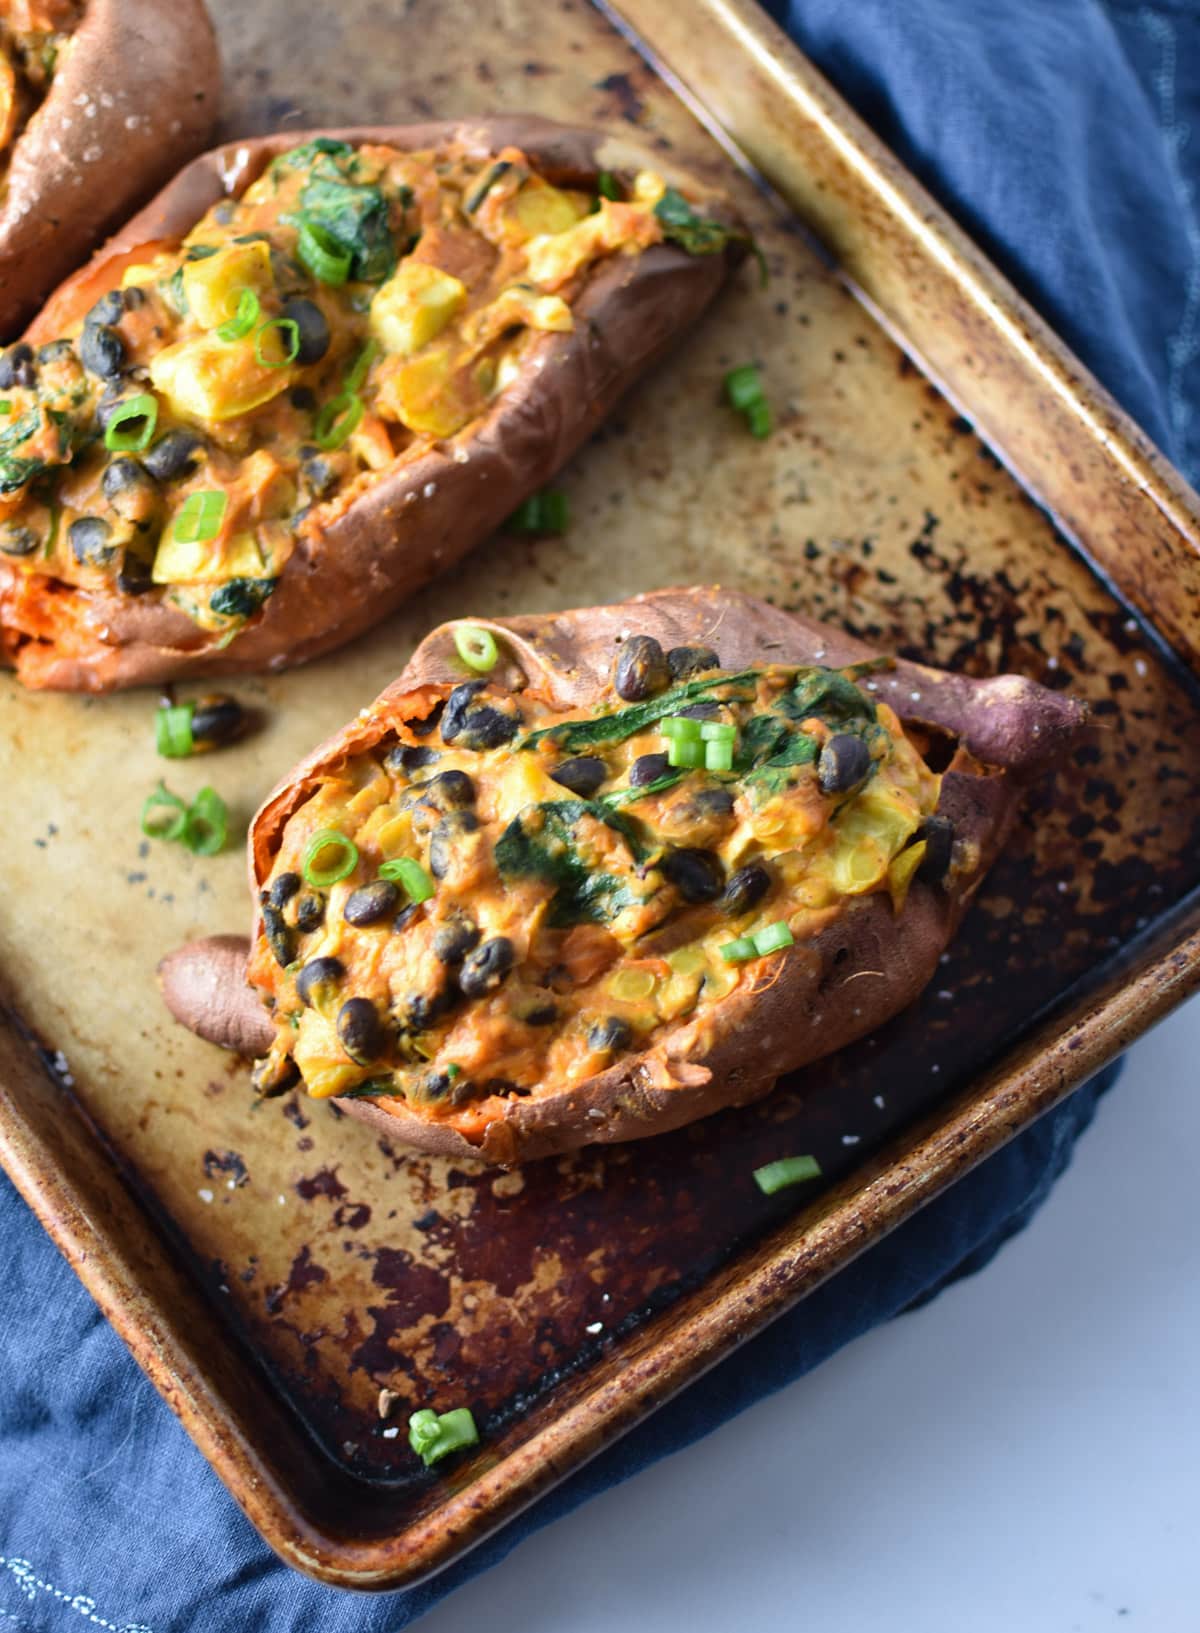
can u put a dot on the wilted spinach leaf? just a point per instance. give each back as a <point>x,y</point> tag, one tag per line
<point>542,843</point>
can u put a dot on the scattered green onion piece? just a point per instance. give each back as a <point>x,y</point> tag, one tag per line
<point>337,420</point>
<point>759,420</point>
<point>411,876</point>
<point>737,952</point>
<point>718,731</point>
<point>681,726</point>
<point>173,730</point>
<point>243,320</point>
<point>322,254</point>
<point>608,186</point>
<point>207,826</point>
<point>201,515</point>
<point>544,512</point>
<point>362,363</point>
<point>773,938</point>
<point>718,756</point>
<point>433,1436</point>
<point>6,406</point>
<point>453,1070</point>
<point>687,752</point>
<point>744,388</point>
<point>170,826</point>
<point>476,647</point>
<point>344,853</point>
<point>289,330</point>
<point>143,407</point>
<point>774,1176</point>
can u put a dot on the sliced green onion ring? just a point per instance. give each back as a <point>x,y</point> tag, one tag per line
<point>717,731</point>
<point>120,435</point>
<point>6,406</point>
<point>411,877</point>
<point>433,1436</point>
<point>739,951</point>
<point>337,420</point>
<point>681,726</point>
<point>362,364</point>
<point>476,647</point>
<point>608,186</point>
<point>744,387</point>
<point>544,512</point>
<point>247,315</point>
<point>758,418</point>
<point>201,515</point>
<point>322,254</point>
<point>773,938</point>
<point>342,858</point>
<point>172,823</point>
<point>687,752</point>
<point>207,825</point>
<point>774,1176</point>
<point>718,756</point>
<point>173,730</point>
<point>289,329</point>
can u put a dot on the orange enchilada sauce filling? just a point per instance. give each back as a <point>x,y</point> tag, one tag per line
<point>174,424</point>
<point>583,894</point>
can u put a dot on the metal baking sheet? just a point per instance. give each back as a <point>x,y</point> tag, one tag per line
<point>274,1265</point>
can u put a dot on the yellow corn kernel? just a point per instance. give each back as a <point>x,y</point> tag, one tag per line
<point>540,208</point>
<point>212,286</point>
<point>648,187</point>
<point>211,380</point>
<point>902,872</point>
<point>414,306</point>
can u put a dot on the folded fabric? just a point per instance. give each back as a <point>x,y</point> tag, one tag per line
<point>1058,135</point>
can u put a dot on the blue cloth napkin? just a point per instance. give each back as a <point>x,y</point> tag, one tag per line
<point>1058,134</point>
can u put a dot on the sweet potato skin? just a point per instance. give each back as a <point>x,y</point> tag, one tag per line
<point>430,511</point>
<point>813,998</point>
<point>137,95</point>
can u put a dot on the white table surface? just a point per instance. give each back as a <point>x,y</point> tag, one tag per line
<point>1021,1456</point>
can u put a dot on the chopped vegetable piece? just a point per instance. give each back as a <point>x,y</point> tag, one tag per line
<point>201,515</point>
<point>289,339</point>
<point>340,853</point>
<point>680,727</point>
<point>338,420</point>
<point>744,392</point>
<point>476,647</point>
<point>362,363</point>
<point>410,876</point>
<point>171,820</point>
<point>321,253</point>
<point>207,826</point>
<point>759,420</point>
<point>718,756</point>
<point>718,731</point>
<point>773,937</point>
<point>608,186</point>
<point>243,320</point>
<point>574,735</point>
<point>434,1435</point>
<point>173,730</point>
<point>685,751</point>
<point>6,406</point>
<point>737,952</point>
<point>131,426</point>
<point>544,512</point>
<point>774,1176</point>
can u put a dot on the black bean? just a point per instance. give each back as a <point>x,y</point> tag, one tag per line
<point>700,711</point>
<point>683,661</point>
<point>175,454</point>
<point>110,308</point>
<point>429,1089</point>
<point>320,474</point>
<point>487,966</point>
<point>370,903</point>
<point>134,574</point>
<point>420,1010</point>
<point>217,720</point>
<point>402,759</point>
<point>120,475</point>
<point>360,1031</point>
<point>696,874</point>
<point>544,1012</point>
<point>582,776</point>
<point>641,669</point>
<point>441,846</point>
<point>449,790</point>
<point>305,399</point>
<point>270,1077</point>
<point>279,937</point>
<point>477,726</point>
<point>310,913</point>
<point>16,367</point>
<point>842,764</point>
<point>101,350</point>
<point>455,711</point>
<point>405,917</point>
<point>89,538</point>
<point>318,972</point>
<point>938,834</point>
<point>710,802</point>
<point>422,728</point>
<point>610,1035</point>
<point>746,888</point>
<point>18,541</point>
<point>648,768</point>
<point>283,888</point>
<point>134,298</point>
<point>53,351</point>
<point>453,940</point>
<point>313,327</point>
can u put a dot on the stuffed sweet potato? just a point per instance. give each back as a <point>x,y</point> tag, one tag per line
<point>315,372</point>
<point>100,101</point>
<point>645,860</point>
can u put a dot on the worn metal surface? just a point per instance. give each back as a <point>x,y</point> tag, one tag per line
<point>334,1265</point>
